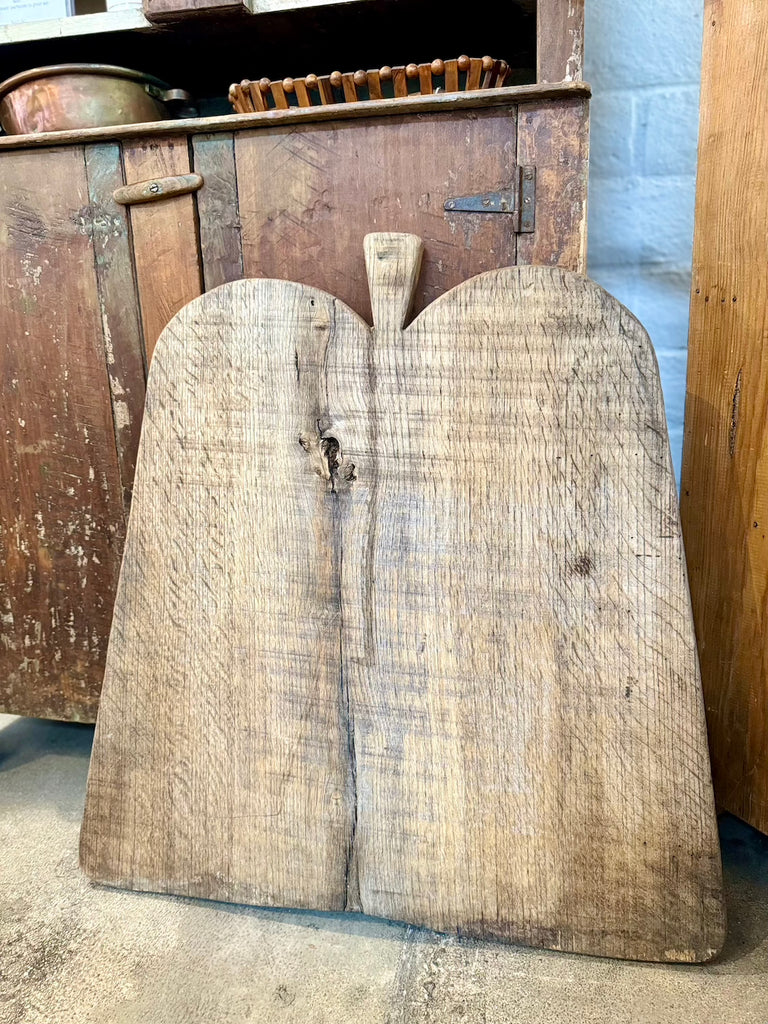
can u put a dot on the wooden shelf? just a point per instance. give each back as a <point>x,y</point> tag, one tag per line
<point>301,115</point>
<point>134,21</point>
<point>205,54</point>
<point>78,25</point>
<point>284,6</point>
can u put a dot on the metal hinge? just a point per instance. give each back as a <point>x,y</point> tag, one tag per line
<point>518,199</point>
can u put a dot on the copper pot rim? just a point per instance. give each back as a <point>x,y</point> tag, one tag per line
<point>107,70</point>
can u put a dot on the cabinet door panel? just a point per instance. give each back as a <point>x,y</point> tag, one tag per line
<point>308,195</point>
<point>553,137</point>
<point>165,241</point>
<point>220,245</point>
<point>118,305</point>
<point>62,516</point>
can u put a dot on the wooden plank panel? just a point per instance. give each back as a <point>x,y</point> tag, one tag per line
<point>529,733</point>
<point>724,500</point>
<point>217,206</point>
<point>559,40</point>
<point>554,138</point>
<point>165,241</point>
<point>118,304</point>
<point>308,197</point>
<point>210,777</point>
<point>61,503</point>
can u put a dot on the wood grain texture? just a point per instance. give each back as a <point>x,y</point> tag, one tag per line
<point>165,243</point>
<point>554,138</point>
<point>206,778</point>
<point>303,220</point>
<point>413,105</point>
<point>530,749</point>
<point>157,189</point>
<point>724,501</point>
<point>118,305</point>
<point>403,623</point>
<point>221,250</point>
<point>559,40</point>
<point>62,515</point>
<point>161,11</point>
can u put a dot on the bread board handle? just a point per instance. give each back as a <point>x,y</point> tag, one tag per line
<point>393,262</point>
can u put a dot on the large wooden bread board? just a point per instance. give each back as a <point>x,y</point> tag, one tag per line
<point>403,623</point>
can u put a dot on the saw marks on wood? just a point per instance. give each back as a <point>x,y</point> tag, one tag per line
<point>222,767</point>
<point>403,623</point>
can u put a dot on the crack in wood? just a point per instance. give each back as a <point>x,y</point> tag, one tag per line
<point>736,402</point>
<point>331,452</point>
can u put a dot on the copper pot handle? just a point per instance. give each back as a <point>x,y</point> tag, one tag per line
<point>168,95</point>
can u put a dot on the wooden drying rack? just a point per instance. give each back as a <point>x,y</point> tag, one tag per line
<point>324,90</point>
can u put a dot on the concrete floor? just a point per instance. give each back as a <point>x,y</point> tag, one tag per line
<point>74,953</point>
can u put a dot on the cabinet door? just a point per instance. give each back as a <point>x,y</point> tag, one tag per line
<point>65,310</point>
<point>303,197</point>
<point>163,233</point>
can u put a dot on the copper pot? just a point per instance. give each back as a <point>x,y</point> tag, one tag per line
<point>69,96</point>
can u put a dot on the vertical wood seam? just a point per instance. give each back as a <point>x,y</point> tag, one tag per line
<point>196,220</point>
<point>515,116</point>
<point>102,300</point>
<point>352,899</point>
<point>237,138</point>
<point>237,211</point>
<point>165,240</point>
<point>142,340</point>
<point>200,198</point>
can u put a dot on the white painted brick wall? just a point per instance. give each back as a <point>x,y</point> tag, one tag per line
<point>643,62</point>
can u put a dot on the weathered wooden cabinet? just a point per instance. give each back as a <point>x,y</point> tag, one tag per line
<point>88,284</point>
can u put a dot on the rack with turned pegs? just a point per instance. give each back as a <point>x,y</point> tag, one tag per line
<point>438,76</point>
